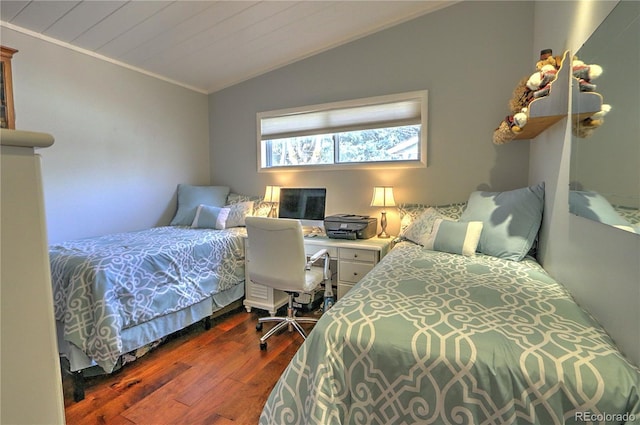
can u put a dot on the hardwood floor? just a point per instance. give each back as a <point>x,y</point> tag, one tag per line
<point>216,376</point>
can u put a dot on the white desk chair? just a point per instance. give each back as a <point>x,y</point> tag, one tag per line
<point>276,258</point>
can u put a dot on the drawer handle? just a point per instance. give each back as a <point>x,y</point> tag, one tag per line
<point>355,255</point>
<point>355,274</point>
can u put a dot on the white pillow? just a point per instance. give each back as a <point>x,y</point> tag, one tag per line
<point>260,208</point>
<point>421,226</point>
<point>409,212</point>
<point>235,214</point>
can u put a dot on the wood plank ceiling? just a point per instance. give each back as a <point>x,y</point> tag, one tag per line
<point>206,45</point>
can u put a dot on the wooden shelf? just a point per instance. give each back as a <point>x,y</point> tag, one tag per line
<point>546,111</point>
<point>535,126</point>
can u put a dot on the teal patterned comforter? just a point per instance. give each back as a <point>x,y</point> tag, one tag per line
<point>435,338</point>
<point>106,284</point>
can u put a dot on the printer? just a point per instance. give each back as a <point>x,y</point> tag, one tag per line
<point>350,226</point>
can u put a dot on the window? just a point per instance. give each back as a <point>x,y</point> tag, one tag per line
<point>384,131</point>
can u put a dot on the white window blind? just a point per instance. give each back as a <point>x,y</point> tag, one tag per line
<point>338,119</point>
<point>381,131</point>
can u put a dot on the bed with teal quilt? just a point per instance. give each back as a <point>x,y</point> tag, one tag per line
<point>436,337</point>
<point>116,293</point>
<point>116,296</point>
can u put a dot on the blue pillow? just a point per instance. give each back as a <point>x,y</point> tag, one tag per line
<point>454,236</point>
<point>190,197</point>
<point>594,206</point>
<point>207,217</point>
<point>511,220</point>
<point>211,217</point>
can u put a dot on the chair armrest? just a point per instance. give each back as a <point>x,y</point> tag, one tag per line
<point>323,253</point>
<point>315,257</point>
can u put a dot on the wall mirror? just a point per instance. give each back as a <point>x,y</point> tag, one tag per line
<point>605,165</point>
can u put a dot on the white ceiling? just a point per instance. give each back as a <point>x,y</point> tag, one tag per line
<point>206,45</point>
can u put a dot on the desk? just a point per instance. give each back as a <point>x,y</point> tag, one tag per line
<point>351,259</point>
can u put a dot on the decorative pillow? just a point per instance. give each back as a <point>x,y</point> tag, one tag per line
<point>190,197</point>
<point>236,214</point>
<point>409,212</point>
<point>208,217</point>
<point>511,220</point>
<point>454,236</point>
<point>421,226</point>
<point>260,208</point>
<point>236,198</point>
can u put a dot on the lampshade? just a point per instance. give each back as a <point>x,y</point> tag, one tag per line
<point>383,197</point>
<point>272,194</point>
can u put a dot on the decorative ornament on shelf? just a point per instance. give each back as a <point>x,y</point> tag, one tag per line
<point>584,128</point>
<point>539,101</point>
<point>528,89</point>
<point>383,197</point>
<point>272,196</point>
<point>584,124</point>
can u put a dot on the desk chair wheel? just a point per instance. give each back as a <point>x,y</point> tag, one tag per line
<point>263,346</point>
<point>259,326</point>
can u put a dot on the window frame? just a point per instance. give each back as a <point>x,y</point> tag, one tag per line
<point>420,97</point>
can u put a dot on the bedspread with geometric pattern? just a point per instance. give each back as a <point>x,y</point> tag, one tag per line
<point>434,338</point>
<point>109,283</point>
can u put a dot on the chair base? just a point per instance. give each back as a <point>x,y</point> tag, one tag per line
<point>290,321</point>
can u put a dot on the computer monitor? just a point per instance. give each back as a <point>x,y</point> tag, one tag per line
<point>304,204</point>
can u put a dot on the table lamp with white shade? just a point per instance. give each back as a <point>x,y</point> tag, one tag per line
<point>383,197</point>
<point>272,195</point>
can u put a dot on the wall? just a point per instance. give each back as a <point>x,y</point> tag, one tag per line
<point>598,264</point>
<point>123,140</point>
<point>469,79</point>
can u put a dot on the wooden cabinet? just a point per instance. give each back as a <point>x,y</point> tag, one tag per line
<point>353,265</point>
<point>7,112</point>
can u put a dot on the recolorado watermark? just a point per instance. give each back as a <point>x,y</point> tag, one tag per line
<point>604,417</point>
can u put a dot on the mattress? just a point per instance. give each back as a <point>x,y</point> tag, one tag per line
<point>105,285</point>
<point>431,337</point>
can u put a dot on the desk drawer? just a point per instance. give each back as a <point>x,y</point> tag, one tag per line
<point>312,249</point>
<point>358,254</point>
<point>353,272</point>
